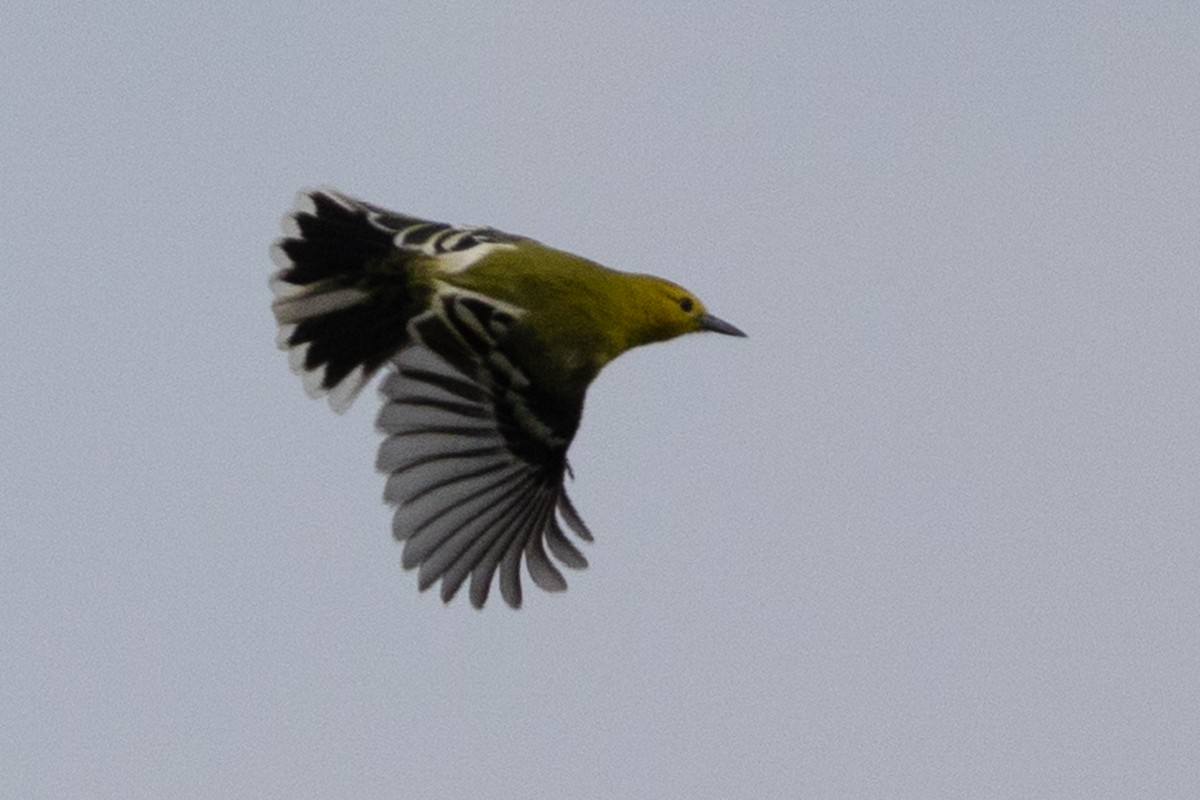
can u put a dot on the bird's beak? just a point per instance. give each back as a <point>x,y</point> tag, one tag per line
<point>710,323</point>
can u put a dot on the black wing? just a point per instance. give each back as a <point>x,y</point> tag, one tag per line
<point>344,293</point>
<point>476,466</point>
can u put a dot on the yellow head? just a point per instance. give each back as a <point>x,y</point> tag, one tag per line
<point>658,310</point>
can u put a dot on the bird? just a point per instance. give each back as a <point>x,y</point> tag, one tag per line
<point>489,341</point>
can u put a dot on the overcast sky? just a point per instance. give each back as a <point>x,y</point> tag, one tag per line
<point>931,531</point>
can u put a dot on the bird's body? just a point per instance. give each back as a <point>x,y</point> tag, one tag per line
<point>493,340</point>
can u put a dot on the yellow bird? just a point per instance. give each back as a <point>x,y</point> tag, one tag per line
<point>492,341</point>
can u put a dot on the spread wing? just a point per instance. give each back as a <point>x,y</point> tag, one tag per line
<point>344,293</point>
<point>476,458</point>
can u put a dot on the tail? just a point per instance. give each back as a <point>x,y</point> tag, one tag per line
<point>343,298</point>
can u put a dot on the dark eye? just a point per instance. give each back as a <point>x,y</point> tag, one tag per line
<point>686,304</point>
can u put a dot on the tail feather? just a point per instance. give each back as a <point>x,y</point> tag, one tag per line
<point>343,297</point>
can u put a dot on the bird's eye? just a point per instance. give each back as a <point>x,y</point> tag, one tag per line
<point>686,304</point>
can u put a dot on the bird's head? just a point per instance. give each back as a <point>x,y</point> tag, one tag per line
<point>668,310</point>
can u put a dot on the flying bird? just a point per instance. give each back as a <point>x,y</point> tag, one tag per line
<point>490,341</point>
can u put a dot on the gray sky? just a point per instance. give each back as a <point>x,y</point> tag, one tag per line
<point>931,531</point>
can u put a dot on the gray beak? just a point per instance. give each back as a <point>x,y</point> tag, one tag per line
<point>710,323</point>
